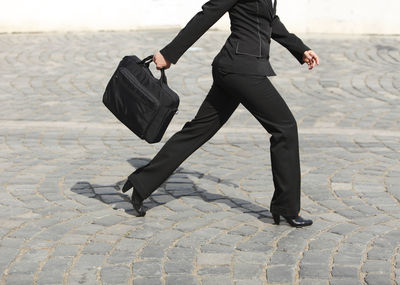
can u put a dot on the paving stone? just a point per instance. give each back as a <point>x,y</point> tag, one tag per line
<point>115,274</point>
<point>213,259</point>
<point>215,270</point>
<point>65,250</point>
<point>109,221</point>
<point>190,225</point>
<point>179,253</point>
<point>86,276</point>
<point>57,264</point>
<point>121,257</point>
<point>380,253</point>
<point>211,280</point>
<point>281,274</point>
<point>249,282</point>
<point>349,281</point>
<point>146,268</point>
<point>213,248</point>
<point>228,239</point>
<point>19,279</point>
<point>291,244</point>
<point>379,266</point>
<point>175,267</point>
<point>246,270</point>
<point>97,248</point>
<point>89,261</point>
<point>181,279</point>
<point>250,257</point>
<point>50,277</point>
<point>313,282</point>
<point>254,247</point>
<point>148,281</point>
<point>345,272</point>
<point>130,245</point>
<point>153,251</point>
<point>167,237</point>
<point>284,258</point>
<point>374,278</point>
<point>343,229</point>
<point>316,257</point>
<point>346,259</point>
<point>24,267</point>
<point>314,271</point>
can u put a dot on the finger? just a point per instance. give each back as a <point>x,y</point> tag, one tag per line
<point>315,62</point>
<point>317,59</point>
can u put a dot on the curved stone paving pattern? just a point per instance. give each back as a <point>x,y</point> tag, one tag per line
<point>64,158</point>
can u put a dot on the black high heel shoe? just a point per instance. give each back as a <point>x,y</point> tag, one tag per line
<point>296,221</point>
<point>136,200</point>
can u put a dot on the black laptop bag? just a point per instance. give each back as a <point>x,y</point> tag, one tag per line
<point>143,103</point>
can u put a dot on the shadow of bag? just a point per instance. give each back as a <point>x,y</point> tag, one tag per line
<point>143,103</point>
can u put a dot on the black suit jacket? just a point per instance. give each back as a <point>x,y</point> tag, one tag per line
<point>246,50</point>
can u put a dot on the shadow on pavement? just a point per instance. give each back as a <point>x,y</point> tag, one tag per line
<point>179,184</point>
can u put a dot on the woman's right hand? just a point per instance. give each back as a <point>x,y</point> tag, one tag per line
<point>311,58</point>
<point>161,61</point>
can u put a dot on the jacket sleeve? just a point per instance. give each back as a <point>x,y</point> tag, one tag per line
<point>288,40</point>
<point>195,28</point>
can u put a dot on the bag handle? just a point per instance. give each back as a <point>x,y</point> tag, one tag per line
<point>147,60</point>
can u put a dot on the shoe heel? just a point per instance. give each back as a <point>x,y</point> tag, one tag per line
<point>277,218</point>
<point>137,203</point>
<point>128,185</point>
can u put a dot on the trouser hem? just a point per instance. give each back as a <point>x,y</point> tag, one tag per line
<point>137,185</point>
<point>283,211</point>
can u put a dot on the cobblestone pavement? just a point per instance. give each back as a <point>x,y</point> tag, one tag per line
<point>64,156</point>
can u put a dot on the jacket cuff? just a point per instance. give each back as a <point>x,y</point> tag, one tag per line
<point>299,54</point>
<point>168,55</point>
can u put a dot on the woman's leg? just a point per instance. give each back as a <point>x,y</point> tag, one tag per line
<point>215,110</point>
<point>259,96</point>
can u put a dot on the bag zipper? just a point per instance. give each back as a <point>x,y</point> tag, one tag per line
<point>125,72</point>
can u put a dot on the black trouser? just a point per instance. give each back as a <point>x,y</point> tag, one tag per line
<point>257,95</point>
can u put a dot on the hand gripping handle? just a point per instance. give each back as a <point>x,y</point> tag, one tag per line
<point>146,61</point>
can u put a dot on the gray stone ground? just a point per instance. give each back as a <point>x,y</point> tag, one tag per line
<point>63,157</point>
